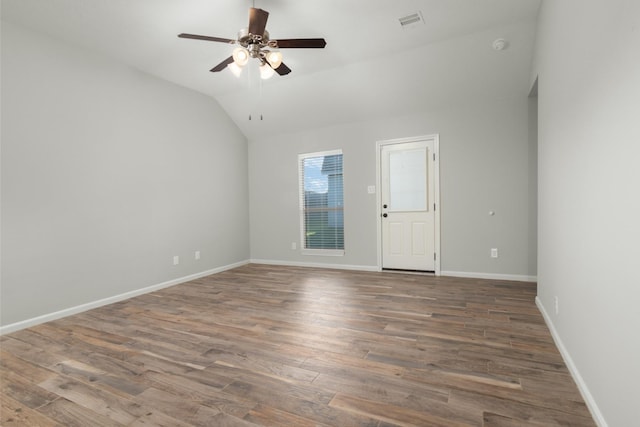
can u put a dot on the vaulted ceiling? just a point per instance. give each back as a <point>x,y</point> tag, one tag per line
<point>371,67</point>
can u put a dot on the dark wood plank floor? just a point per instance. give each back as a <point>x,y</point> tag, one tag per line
<point>280,346</point>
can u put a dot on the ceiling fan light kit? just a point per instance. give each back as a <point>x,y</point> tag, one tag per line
<point>254,42</point>
<point>274,58</point>
<point>266,72</point>
<point>235,69</point>
<point>240,56</point>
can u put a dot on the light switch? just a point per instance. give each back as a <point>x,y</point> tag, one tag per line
<point>371,189</point>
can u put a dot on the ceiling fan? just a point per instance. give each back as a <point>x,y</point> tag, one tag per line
<point>254,42</point>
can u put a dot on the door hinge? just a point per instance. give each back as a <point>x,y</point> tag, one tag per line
<point>434,256</point>
<point>434,157</point>
<point>434,206</point>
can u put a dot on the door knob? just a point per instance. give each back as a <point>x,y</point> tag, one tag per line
<point>384,215</point>
<point>384,206</point>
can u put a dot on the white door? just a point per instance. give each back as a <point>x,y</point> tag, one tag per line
<point>408,204</point>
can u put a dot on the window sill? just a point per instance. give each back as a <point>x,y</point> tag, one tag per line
<point>323,252</point>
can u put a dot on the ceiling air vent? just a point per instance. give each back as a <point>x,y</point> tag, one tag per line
<point>411,20</point>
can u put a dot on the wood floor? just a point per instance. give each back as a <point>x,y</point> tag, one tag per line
<point>280,346</point>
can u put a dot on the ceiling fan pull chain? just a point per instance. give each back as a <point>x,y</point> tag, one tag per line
<point>259,103</point>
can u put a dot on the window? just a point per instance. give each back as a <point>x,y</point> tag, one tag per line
<point>321,203</point>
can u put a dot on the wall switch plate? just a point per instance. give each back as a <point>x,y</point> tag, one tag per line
<point>176,260</point>
<point>494,252</point>
<point>371,189</point>
<point>197,255</point>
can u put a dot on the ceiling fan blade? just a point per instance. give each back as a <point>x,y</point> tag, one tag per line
<point>257,21</point>
<point>301,43</point>
<point>207,38</point>
<point>221,66</point>
<point>282,69</point>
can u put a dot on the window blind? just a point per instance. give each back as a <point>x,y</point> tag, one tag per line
<point>321,203</point>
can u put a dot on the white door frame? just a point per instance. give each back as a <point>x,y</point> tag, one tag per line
<point>436,148</point>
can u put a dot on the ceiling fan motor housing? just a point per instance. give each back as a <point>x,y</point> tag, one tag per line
<point>255,43</point>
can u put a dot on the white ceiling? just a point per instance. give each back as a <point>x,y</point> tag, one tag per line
<point>371,67</point>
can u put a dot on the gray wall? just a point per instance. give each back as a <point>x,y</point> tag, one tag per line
<point>107,173</point>
<point>588,68</point>
<point>484,164</point>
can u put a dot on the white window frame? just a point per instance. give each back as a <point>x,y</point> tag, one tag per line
<point>301,191</point>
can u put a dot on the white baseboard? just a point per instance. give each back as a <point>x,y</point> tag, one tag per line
<point>316,265</point>
<point>6,329</point>
<point>512,277</point>
<point>492,276</point>
<point>582,386</point>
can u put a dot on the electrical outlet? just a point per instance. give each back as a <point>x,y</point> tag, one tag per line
<point>176,260</point>
<point>197,255</point>
<point>557,304</point>
<point>294,246</point>
<point>494,252</point>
